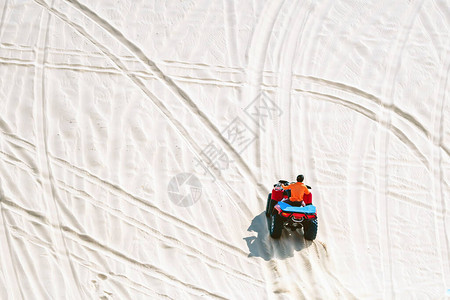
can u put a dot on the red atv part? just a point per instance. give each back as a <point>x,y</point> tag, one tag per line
<point>277,195</point>
<point>307,198</point>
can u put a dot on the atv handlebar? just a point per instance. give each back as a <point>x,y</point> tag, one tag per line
<point>285,182</point>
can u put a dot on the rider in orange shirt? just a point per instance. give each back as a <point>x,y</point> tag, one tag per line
<point>298,190</point>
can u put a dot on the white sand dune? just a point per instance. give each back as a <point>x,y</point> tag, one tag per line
<point>139,141</point>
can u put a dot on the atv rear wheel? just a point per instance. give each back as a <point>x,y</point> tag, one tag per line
<point>310,229</point>
<point>270,205</point>
<point>276,226</point>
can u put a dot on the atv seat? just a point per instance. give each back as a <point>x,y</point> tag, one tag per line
<point>310,209</point>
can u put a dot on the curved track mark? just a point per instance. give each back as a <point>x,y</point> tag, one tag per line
<point>373,116</point>
<point>440,126</point>
<point>212,81</point>
<point>256,60</point>
<point>89,242</point>
<point>8,258</point>
<point>407,117</point>
<point>134,200</point>
<point>230,31</point>
<point>89,264</point>
<point>382,147</point>
<point>160,106</point>
<point>174,242</point>
<point>49,193</point>
<point>171,85</point>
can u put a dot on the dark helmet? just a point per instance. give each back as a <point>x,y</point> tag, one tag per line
<point>300,178</point>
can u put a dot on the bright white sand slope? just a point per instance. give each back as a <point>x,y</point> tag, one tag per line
<point>139,141</point>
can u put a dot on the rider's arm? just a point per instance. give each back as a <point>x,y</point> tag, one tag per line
<point>306,190</point>
<point>286,187</point>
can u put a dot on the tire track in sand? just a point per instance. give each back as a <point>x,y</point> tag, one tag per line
<point>191,143</point>
<point>365,96</point>
<point>117,190</point>
<point>2,19</point>
<point>369,113</point>
<point>405,116</point>
<point>14,161</point>
<point>289,34</point>
<point>50,196</point>
<point>114,71</point>
<point>231,40</point>
<point>439,126</point>
<point>382,146</point>
<point>289,42</point>
<point>290,64</point>
<point>176,219</point>
<point>408,118</point>
<point>310,257</point>
<point>171,85</point>
<point>132,199</point>
<point>7,257</point>
<point>256,61</point>
<point>141,203</point>
<point>361,109</point>
<point>274,265</point>
<point>174,242</point>
<point>88,264</point>
<point>147,229</point>
<point>282,92</point>
<point>90,243</point>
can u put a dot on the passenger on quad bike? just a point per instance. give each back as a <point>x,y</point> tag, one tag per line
<point>298,190</point>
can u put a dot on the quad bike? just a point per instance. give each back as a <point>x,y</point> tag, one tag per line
<point>282,215</point>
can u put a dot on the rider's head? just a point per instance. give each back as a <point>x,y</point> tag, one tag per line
<point>300,178</point>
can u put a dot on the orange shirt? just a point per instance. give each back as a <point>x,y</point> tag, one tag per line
<point>298,189</point>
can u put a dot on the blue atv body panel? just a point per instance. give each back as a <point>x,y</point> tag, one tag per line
<point>309,209</point>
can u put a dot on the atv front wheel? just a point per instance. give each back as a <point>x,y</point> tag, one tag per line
<point>276,226</point>
<point>310,229</point>
<point>270,205</point>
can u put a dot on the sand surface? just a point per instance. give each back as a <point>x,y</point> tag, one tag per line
<point>139,141</point>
